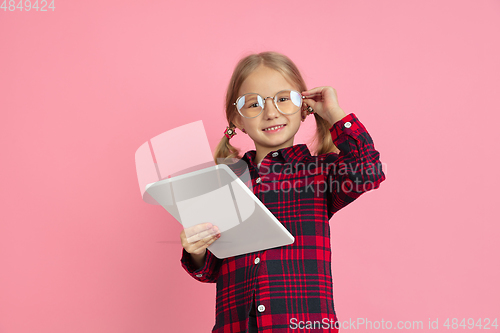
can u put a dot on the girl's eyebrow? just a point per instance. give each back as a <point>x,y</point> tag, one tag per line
<point>271,95</point>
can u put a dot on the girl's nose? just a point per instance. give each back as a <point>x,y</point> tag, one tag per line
<point>269,107</point>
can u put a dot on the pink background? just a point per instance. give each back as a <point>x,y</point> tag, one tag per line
<point>84,86</point>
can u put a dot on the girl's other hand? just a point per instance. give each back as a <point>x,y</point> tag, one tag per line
<point>197,238</point>
<point>325,103</point>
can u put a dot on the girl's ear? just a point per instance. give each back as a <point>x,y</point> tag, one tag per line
<point>303,111</point>
<point>236,122</point>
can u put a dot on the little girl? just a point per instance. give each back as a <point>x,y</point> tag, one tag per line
<point>288,288</point>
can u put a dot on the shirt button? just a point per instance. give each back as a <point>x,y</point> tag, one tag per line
<point>275,154</point>
<point>199,275</point>
<point>257,180</point>
<point>347,124</point>
<point>261,308</point>
<point>256,261</point>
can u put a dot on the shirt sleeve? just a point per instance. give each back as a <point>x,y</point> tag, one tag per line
<point>208,273</point>
<point>356,169</point>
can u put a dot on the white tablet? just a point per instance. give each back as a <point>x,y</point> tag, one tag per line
<point>217,195</point>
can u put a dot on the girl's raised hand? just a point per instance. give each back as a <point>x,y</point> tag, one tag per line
<point>325,103</point>
<point>197,238</point>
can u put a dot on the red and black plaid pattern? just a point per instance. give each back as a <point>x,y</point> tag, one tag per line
<point>292,285</point>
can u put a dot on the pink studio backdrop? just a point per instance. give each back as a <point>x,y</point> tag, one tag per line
<point>83,86</point>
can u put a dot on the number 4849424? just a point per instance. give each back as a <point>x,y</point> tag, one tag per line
<point>26,5</point>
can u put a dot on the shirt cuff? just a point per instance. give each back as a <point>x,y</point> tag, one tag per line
<point>349,125</point>
<point>202,274</point>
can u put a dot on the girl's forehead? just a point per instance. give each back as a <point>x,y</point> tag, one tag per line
<point>266,81</point>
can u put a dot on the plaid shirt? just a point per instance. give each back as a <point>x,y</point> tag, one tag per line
<point>291,286</point>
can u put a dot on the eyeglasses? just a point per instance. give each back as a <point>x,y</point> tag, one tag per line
<point>286,101</point>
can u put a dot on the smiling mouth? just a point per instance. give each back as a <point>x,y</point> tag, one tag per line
<point>274,128</point>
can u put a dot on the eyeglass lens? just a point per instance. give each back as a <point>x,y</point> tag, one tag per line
<point>287,101</point>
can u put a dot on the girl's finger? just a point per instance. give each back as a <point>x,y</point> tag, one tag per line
<point>314,91</point>
<point>197,228</point>
<point>209,241</point>
<point>203,234</point>
<point>320,93</point>
<point>316,98</point>
<point>312,96</point>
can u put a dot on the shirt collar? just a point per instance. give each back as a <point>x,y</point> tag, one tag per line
<point>292,154</point>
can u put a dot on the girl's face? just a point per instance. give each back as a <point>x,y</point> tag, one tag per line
<point>267,82</point>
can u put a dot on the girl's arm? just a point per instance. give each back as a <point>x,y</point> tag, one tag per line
<point>356,169</point>
<point>196,259</point>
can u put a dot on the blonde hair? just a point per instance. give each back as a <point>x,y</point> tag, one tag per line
<point>287,68</point>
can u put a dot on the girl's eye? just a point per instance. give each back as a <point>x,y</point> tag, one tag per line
<point>283,99</point>
<point>254,105</point>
